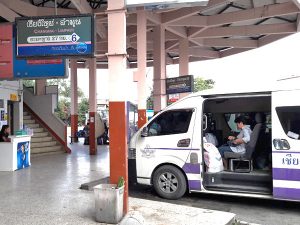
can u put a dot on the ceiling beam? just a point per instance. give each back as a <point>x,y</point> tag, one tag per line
<point>215,2</point>
<point>7,13</point>
<point>171,44</point>
<point>84,7</point>
<point>266,11</point>
<point>192,21</point>
<point>250,30</point>
<point>234,43</point>
<point>21,7</point>
<point>270,38</point>
<point>179,14</point>
<point>199,52</point>
<point>232,51</point>
<point>44,11</point>
<point>298,22</point>
<point>154,18</point>
<point>180,31</point>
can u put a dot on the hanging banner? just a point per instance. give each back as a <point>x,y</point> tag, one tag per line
<point>55,36</point>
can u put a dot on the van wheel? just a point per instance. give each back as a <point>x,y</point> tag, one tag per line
<point>169,182</point>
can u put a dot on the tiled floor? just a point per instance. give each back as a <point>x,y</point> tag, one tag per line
<point>48,191</point>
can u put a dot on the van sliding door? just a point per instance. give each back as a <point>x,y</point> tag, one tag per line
<point>286,144</point>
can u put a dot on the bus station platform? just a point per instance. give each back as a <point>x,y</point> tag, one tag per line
<point>48,192</point>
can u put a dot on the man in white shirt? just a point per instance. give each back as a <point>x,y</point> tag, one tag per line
<point>237,144</point>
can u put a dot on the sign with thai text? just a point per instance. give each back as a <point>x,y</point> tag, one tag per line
<point>180,84</point>
<point>55,36</point>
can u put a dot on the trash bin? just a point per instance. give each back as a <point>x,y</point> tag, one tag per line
<point>108,203</point>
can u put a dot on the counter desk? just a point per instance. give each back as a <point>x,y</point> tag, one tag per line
<point>15,154</point>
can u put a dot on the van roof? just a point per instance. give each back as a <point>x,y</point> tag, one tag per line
<point>282,85</point>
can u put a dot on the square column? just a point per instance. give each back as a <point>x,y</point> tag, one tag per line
<point>117,91</point>
<point>92,105</point>
<point>159,62</point>
<point>74,99</point>
<point>142,64</point>
<point>40,86</point>
<point>183,60</point>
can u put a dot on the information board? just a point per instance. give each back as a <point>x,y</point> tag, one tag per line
<point>180,84</point>
<point>55,36</point>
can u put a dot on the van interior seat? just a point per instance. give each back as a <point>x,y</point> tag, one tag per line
<point>250,146</point>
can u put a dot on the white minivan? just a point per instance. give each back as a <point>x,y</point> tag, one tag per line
<point>168,151</point>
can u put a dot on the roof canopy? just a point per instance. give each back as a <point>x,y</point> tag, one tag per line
<point>214,28</point>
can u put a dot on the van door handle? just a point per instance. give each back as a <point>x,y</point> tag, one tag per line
<point>184,142</point>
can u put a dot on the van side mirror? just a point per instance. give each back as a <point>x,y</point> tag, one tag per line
<point>144,132</point>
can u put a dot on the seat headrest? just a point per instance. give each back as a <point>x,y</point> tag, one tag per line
<point>260,118</point>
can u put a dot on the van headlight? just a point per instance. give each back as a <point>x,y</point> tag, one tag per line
<point>131,153</point>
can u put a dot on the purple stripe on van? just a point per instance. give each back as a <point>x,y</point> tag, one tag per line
<point>191,168</point>
<point>194,185</point>
<point>286,193</point>
<point>176,149</point>
<point>286,174</point>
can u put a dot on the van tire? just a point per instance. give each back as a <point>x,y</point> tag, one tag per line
<point>169,182</point>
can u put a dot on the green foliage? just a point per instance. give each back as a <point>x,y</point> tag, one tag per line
<point>64,87</point>
<point>150,101</point>
<point>83,107</point>
<point>121,182</point>
<point>64,102</point>
<point>63,110</point>
<point>29,83</point>
<point>201,84</point>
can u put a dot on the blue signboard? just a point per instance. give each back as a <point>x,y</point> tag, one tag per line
<point>55,36</point>
<point>22,155</point>
<point>39,68</point>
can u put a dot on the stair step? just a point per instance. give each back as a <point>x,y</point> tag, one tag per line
<point>34,155</point>
<point>28,117</point>
<point>33,125</point>
<point>37,150</point>
<point>43,144</point>
<point>28,121</point>
<point>40,139</point>
<point>25,113</point>
<point>37,130</point>
<point>39,134</point>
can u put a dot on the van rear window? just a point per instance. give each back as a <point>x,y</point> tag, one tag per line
<point>289,117</point>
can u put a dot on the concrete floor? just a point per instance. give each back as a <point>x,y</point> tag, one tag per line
<point>48,192</point>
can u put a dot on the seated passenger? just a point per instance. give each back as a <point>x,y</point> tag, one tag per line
<point>5,130</point>
<point>237,144</point>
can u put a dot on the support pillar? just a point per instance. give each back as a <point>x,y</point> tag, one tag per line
<point>92,105</point>
<point>183,60</point>
<point>74,99</point>
<point>40,86</point>
<point>117,99</point>
<point>142,64</point>
<point>159,62</point>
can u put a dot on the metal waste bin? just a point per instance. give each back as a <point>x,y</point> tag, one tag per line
<point>108,203</point>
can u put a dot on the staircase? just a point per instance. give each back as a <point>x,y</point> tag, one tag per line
<point>41,142</point>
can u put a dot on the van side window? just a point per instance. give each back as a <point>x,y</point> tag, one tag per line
<point>170,122</point>
<point>289,117</point>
